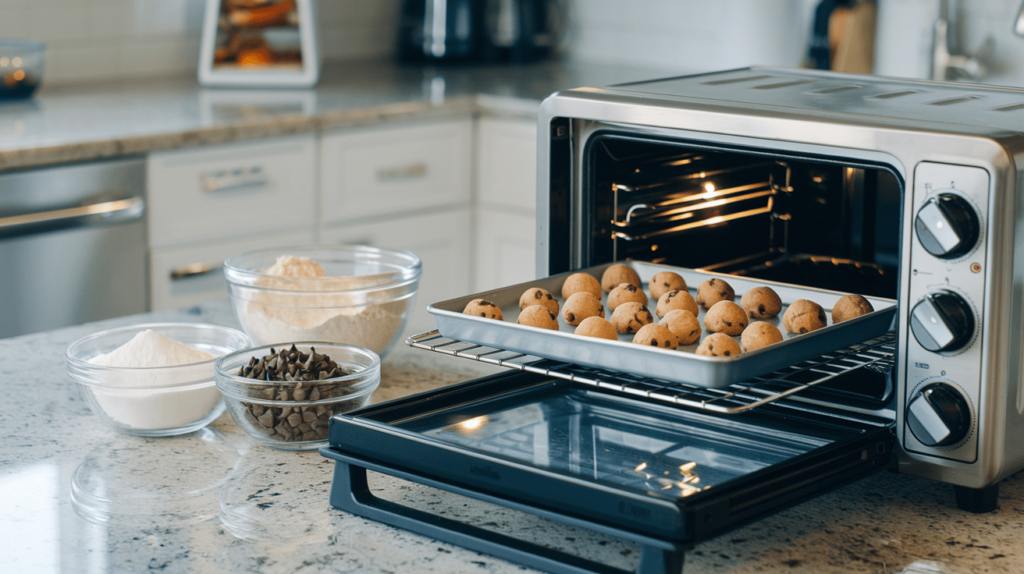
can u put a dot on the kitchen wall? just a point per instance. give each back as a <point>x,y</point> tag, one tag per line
<point>697,35</point>
<point>690,35</point>
<point>108,39</point>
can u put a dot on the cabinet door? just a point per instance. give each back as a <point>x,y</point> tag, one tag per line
<point>505,249</point>
<point>441,241</point>
<point>233,190</point>
<point>507,172</point>
<point>184,276</point>
<point>383,171</point>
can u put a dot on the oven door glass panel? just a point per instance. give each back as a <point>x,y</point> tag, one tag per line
<point>625,442</point>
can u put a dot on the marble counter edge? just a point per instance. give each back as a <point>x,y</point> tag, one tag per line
<point>508,107</point>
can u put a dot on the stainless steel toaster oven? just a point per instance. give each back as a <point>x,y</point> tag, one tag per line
<point>885,187</point>
<point>897,190</point>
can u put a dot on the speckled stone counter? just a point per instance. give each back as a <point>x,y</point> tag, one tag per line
<point>885,523</point>
<point>78,123</point>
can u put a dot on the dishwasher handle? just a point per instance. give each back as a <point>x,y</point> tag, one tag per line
<point>103,212</point>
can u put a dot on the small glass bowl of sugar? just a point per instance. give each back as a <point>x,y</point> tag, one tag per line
<point>155,379</point>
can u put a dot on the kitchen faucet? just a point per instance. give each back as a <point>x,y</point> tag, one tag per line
<point>947,66</point>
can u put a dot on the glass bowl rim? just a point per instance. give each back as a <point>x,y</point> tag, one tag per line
<point>82,364</point>
<point>232,268</point>
<point>223,374</point>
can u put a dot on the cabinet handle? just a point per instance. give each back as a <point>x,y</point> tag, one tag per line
<point>194,270</point>
<point>402,172</point>
<point>233,179</point>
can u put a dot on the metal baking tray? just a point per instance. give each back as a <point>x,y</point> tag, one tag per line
<point>682,365</point>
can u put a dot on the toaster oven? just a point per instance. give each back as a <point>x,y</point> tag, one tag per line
<point>887,188</point>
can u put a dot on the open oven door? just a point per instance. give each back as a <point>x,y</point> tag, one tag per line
<point>656,474</point>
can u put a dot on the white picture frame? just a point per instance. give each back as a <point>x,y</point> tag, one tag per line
<point>211,75</point>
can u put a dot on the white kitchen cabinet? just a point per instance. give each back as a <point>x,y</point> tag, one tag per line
<point>232,190</point>
<point>441,240</point>
<point>388,170</point>
<point>505,226</point>
<point>506,175</point>
<point>185,276</point>
<point>505,249</point>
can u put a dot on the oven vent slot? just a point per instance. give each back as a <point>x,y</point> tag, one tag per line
<point>835,89</point>
<point>878,354</point>
<point>892,95</point>
<point>735,80</point>
<point>1012,108</point>
<point>953,101</point>
<point>785,84</point>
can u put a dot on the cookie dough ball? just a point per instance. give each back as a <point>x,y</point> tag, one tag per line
<point>598,328</point>
<point>625,293</point>
<point>759,334</point>
<point>664,282</point>
<point>714,290</point>
<point>684,325</point>
<point>538,296</point>
<point>726,317</point>
<point>761,303</point>
<point>538,316</point>
<point>580,306</point>
<point>804,316</point>
<point>850,307</point>
<point>580,283</point>
<point>629,317</point>
<point>673,300</point>
<point>618,274</point>
<point>719,345</point>
<point>655,335</point>
<point>483,308</point>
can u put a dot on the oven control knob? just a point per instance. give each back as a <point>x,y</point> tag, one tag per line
<point>942,322</point>
<point>947,226</point>
<point>938,415</point>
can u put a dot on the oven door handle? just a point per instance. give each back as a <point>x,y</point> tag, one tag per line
<point>350,491</point>
<point>103,212</point>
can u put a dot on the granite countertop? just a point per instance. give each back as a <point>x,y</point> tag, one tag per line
<point>271,514</point>
<point>86,122</point>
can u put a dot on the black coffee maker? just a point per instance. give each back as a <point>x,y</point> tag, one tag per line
<point>480,30</point>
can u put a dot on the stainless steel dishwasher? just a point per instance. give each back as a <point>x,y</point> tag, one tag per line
<point>72,245</point>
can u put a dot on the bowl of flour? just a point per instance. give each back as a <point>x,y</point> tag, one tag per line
<point>347,294</point>
<point>155,379</point>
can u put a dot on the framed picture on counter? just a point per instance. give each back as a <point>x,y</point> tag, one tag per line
<point>270,43</point>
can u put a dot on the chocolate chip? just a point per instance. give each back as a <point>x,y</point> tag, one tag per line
<point>631,288</point>
<point>629,328</point>
<point>723,293</point>
<point>667,344</point>
<point>692,332</point>
<point>821,316</point>
<point>760,309</point>
<point>711,281</point>
<point>727,324</point>
<point>666,284</point>
<point>549,297</point>
<point>483,314</point>
<point>552,315</point>
<point>570,317</point>
<point>538,295</point>
<point>803,329</point>
<point>654,342</point>
<point>726,353</point>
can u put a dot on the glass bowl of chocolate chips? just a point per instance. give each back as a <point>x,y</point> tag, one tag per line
<point>284,395</point>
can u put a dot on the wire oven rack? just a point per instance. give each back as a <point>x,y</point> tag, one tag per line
<point>878,353</point>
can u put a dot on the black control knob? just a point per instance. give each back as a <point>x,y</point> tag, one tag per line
<point>938,415</point>
<point>942,322</point>
<point>947,226</point>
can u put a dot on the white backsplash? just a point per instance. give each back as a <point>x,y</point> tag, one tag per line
<point>109,39</point>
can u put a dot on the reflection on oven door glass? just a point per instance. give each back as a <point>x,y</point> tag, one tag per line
<point>609,440</point>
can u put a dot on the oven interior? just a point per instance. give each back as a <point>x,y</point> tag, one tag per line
<point>804,220</point>
<point>808,221</point>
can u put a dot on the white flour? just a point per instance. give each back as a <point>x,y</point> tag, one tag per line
<point>151,349</point>
<point>319,310</point>
<point>154,409</point>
